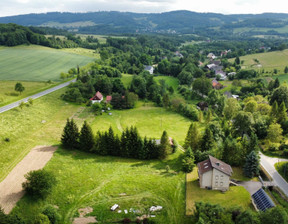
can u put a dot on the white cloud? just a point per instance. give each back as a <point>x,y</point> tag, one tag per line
<point>14,7</point>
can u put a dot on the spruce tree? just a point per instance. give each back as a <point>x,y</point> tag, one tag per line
<point>70,135</point>
<point>193,137</point>
<point>252,144</point>
<point>276,83</point>
<point>207,141</point>
<point>251,167</point>
<point>274,110</point>
<point>165,147</point>
<point>282,114</point>
<point>86,138</point>
<point>111,142</point>
<point>286,70</point>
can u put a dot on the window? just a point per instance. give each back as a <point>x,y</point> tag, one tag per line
<point>216,177</point>
<point>221,183</point>
<point>221,177</point>
<point>216,183</point>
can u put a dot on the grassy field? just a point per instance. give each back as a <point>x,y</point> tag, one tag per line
<point>269,61</point>
<point>9,95</point>
<point>39,124</point>
<point>280,167</point>
<point>150,121</point>
<point>169,80</point>
<point>37,63</point>
<point>235,196</point>
<point>133,184</point>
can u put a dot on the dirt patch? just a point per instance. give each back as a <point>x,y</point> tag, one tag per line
<point>82,219</point>
<point>11,187</point>
<point>85,211</point>
<point>85,220</point>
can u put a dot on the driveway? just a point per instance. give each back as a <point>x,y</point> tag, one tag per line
<point>268,164</point>
<point>35,96</point>
<point>251,186</point>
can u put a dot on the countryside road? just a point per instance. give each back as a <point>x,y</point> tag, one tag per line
<point>268,164</point>
<point>35,96</point>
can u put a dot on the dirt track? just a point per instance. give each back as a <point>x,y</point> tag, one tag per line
<point>11,187</point>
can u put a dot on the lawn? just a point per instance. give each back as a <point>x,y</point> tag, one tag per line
<point>37,63</point>
<point>109,180</point>
<point>235,196</point>
<point>9,95</point>
<point>282,168</point>
<point>150,121</point>
<point>269,61</point>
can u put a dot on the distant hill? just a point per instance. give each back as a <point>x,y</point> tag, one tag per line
<point>181,22</point>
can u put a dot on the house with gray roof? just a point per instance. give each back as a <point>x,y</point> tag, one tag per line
<point>214,174</point>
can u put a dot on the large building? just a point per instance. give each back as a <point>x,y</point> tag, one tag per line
<point>214,174</point>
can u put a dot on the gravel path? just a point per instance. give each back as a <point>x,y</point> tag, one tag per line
<point>11,187</point>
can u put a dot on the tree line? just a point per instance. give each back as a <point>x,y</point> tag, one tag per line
<point>129,145</point>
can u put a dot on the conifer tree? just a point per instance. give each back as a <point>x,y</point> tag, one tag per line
<point>86,138</point>
<point>252,144</point>
<point>153,149</point>
<point>70,135</point>
<point>276,83</point>
<point>251,167</point>
<point>282,115</point>
<point>207,140</point>
<point>188,162</point>
<point>193,137</point>
<point>165,147</point>
<point>111,142</point>
<point>124,143</point>
<point>274,110</point>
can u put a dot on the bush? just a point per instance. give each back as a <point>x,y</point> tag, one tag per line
<point>7,139</point>
<point>39,183</point>
<point>188,164</point>
<point>273,148</point>
<point>52,214</point>
<point>285,152</point>
<point>283,146</point>
<point>126,220</point>
<point>41,219</point>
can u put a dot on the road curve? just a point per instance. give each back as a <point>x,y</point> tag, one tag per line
<point>35,96</point>
<point>268,164</point>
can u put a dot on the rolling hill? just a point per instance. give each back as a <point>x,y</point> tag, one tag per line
<point>182,22</point>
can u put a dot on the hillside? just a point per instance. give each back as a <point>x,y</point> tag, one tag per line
<point>182,22</point>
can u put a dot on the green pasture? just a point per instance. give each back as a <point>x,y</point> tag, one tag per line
<point>281,30</point>
<point>9,95</point>
<point>269,61</point>
<point>108,180</point>
<point>37,63</point>
<point>150,121</point>
<point>169,80</point>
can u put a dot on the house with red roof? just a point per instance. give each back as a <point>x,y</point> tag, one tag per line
<point>108,99</point>
<point>216,84</point>
<point>97,98</point>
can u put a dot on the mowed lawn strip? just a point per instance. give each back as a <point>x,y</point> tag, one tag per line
<point>37,63</point>
<point>235,196</point>
<point>99,182</point>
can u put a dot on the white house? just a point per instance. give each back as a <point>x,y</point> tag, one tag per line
<point>149,68</point>
<point>214,174</point>
<point>97,98</point>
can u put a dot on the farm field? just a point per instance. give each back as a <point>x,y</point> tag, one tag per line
<point>108,180</point>
<point>269,61</point>
<point>37,63</point>
<point>9,95</point>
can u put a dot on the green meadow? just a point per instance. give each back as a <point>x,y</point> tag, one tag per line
<point>37,63</point>
<point>269,61</point>
<point>9,95</point>
<point>132,184</point>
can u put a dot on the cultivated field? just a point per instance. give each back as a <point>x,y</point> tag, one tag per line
<point>36,63</point>
<point>269,61</point>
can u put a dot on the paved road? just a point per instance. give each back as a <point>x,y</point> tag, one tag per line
<point>16,104</point>
<point>268,164</point>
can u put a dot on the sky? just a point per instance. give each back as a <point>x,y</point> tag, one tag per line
<point>16,7</point>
